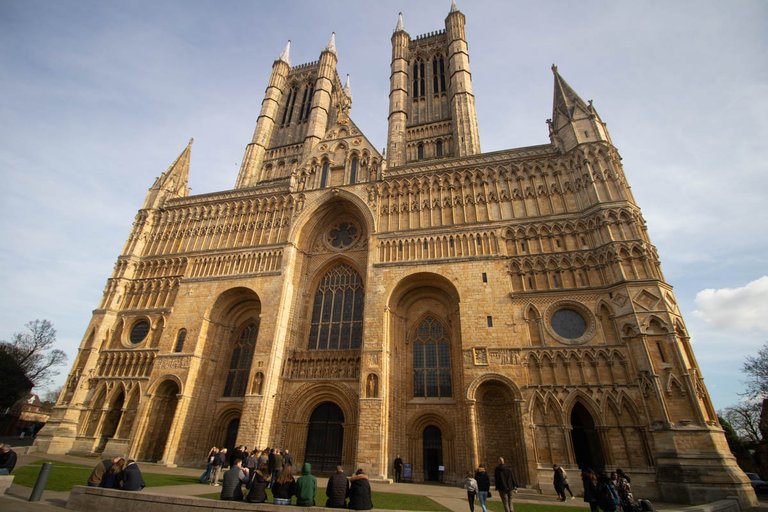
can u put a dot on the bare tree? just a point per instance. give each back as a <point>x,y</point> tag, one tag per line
<point>33,351</point>
<point>745,419</point>
<point>756,369</point>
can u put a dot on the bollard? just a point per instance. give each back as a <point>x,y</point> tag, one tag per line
<point>42,479</point>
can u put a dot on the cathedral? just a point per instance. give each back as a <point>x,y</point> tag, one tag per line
<point>434,302</point>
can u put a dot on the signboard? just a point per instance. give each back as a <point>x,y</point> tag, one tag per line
<point>407,471</point>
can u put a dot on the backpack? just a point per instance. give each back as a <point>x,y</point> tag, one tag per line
<point>607,497</point>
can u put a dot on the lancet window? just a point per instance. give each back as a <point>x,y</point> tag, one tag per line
<point>289,102</point>
<point>418,79</point>
<point>240,362</point>
<point>438,75</point>
<point>306,102</point>
<point>431,360</point>
<point>337,311</point>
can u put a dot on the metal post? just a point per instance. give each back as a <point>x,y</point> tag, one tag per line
<point>42,479</point>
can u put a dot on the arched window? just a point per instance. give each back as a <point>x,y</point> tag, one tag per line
<point>438,75</point>
<point>324,175</point>
<point>240,362</point>
<point>420,151</point>
<point>306,102</point>
<point>439,148</point>
<point>289,102</point>
<point>418,79</point>
<point>337,312</point>
<point>431,360</point>
<point>353,171</point>
<point>180,340</point>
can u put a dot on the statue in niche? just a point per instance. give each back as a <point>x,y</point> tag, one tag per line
<point>372,386</point>
<point>258,383</point>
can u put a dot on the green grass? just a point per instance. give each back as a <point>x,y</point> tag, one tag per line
<point>496,505</point>
<point>64,476</point>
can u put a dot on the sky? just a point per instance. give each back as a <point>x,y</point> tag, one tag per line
<point>97,98</point>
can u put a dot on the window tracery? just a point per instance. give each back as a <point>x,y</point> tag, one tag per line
<point>337,311</point>
<point>431,360</point>
<point>240,362</point>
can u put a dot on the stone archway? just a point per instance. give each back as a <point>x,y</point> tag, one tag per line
<point>432,449</point>
<point>587,449</point>
<point>325,438</point>
<point>162,409</point>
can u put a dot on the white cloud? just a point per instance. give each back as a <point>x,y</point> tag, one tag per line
<point>741,308</point>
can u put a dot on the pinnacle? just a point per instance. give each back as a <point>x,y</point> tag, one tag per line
<point>399,27</point>
<point>286,55</point>
<point>332,43</point>
<point>454,7</point>
<point>347,88</point>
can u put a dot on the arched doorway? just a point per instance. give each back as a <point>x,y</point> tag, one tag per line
<point>231,437</point>
<point>111,421</point>
<point>161,414</point>
<point>586,443</point>
<point>325,438</point>
<point>432,439</point>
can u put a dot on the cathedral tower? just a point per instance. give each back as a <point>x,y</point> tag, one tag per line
<point>431,103</point>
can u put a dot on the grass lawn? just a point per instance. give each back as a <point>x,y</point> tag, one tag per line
<point>495,505</point>
<point>64,476</point>
<point>385,500</point>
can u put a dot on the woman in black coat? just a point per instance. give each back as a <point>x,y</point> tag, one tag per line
<point>589,479</point>
<point>483,485</point>
<point>360,492</point>
<point>257,487</point>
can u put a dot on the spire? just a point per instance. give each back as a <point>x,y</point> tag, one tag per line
<point>347,88</point>
<point>399,27</point>
<point>332,43</point>
<point>565,99</point>
<point>173,182</point>
<point>454,7</point>
<point>286,55</point>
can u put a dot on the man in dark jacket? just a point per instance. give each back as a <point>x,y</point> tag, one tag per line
<point>7,459</point>
<point>505,484</point>
<point>94,480</point>
<point>306,487</point>
<point>219,462</point>
<point>337,490</point>
<point>398,468</point>
<point>132,479</point>
<point>234,478</point>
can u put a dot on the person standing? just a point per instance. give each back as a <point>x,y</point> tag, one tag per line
<point>131,477</point>
<point>7,459</point>
<point>287,458</point>
<point>306,487</point>
<point>398,468</point>
<point>337,490</point>
<point>589,482</point>
<point>206,476</point>
<point>483,486</point>
<point>232,484</point>
<point>470,484</point>
<point>360,492</point>
<point>219,462</point>
<point>558,480</point>
<point>505,484</point>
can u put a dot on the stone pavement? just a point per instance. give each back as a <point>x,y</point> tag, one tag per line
<point>453,498</point>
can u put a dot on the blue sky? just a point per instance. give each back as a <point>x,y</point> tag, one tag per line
<point>97,98</point>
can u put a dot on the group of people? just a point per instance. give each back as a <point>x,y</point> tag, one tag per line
<point>611,493</point>
<point>250,474</point>
<point>117,473</point>
<point>479,486</point>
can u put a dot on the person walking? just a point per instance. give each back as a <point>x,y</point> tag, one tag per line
<point>360,491</point>
<point>470,484</point>
<point>483,486</point>
<point>560,481</point>
<point>398,468</point>
<point>206,476</point>
<point>505,484</point>
<point>337,490</point>
<point>306,487</point>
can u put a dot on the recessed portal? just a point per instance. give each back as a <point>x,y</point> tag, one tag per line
<point>433,453</point>
<point>586,443</point>
<point>325,438</point>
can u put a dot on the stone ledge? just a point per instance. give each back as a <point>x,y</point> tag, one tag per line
<point>5,483</point>
<point>96,499</point>
<point>726,505</point>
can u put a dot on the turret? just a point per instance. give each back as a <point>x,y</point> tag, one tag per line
<point>398,96</point>
<point>254,152</point>
<point>465,133</point>
<point>573,121</point>
<point>321,99</point>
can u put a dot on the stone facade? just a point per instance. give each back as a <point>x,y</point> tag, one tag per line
<point>440,303</point>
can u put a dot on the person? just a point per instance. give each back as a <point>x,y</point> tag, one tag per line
<point>589,482</point>
<point>398,468</point>
<point>558,480</point>
<point>283,487</point>
<point>219,462</point>
<point>337,490</point>
<point>505,484</point>
<point>306,487</point>
<point>360,491</point>
<point>131,477</point>
<point>94,479</point>
<point>7,459</point>
<point>206,476</point>
<point>279,463</point>
<point>565,483</point>
<point>113,477</point>
<point>232,484</point>
<point>257,484</point>
<point>252,461</point>
<point>607,497</point>
<point>470,484</point>
<point>483,486</point>
<point>287,458</point>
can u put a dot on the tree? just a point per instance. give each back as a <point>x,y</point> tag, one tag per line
<point>13,383</point>
<point>756,369</point>
<point>745,419</point>
<point>33,351</point>
<point>734,441</point>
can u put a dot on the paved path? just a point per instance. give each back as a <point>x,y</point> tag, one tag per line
<point>453,498</point>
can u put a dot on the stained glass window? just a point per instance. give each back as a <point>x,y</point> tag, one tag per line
<point>337,311</point>
<point>431,360</point>
<point>240,362</point>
